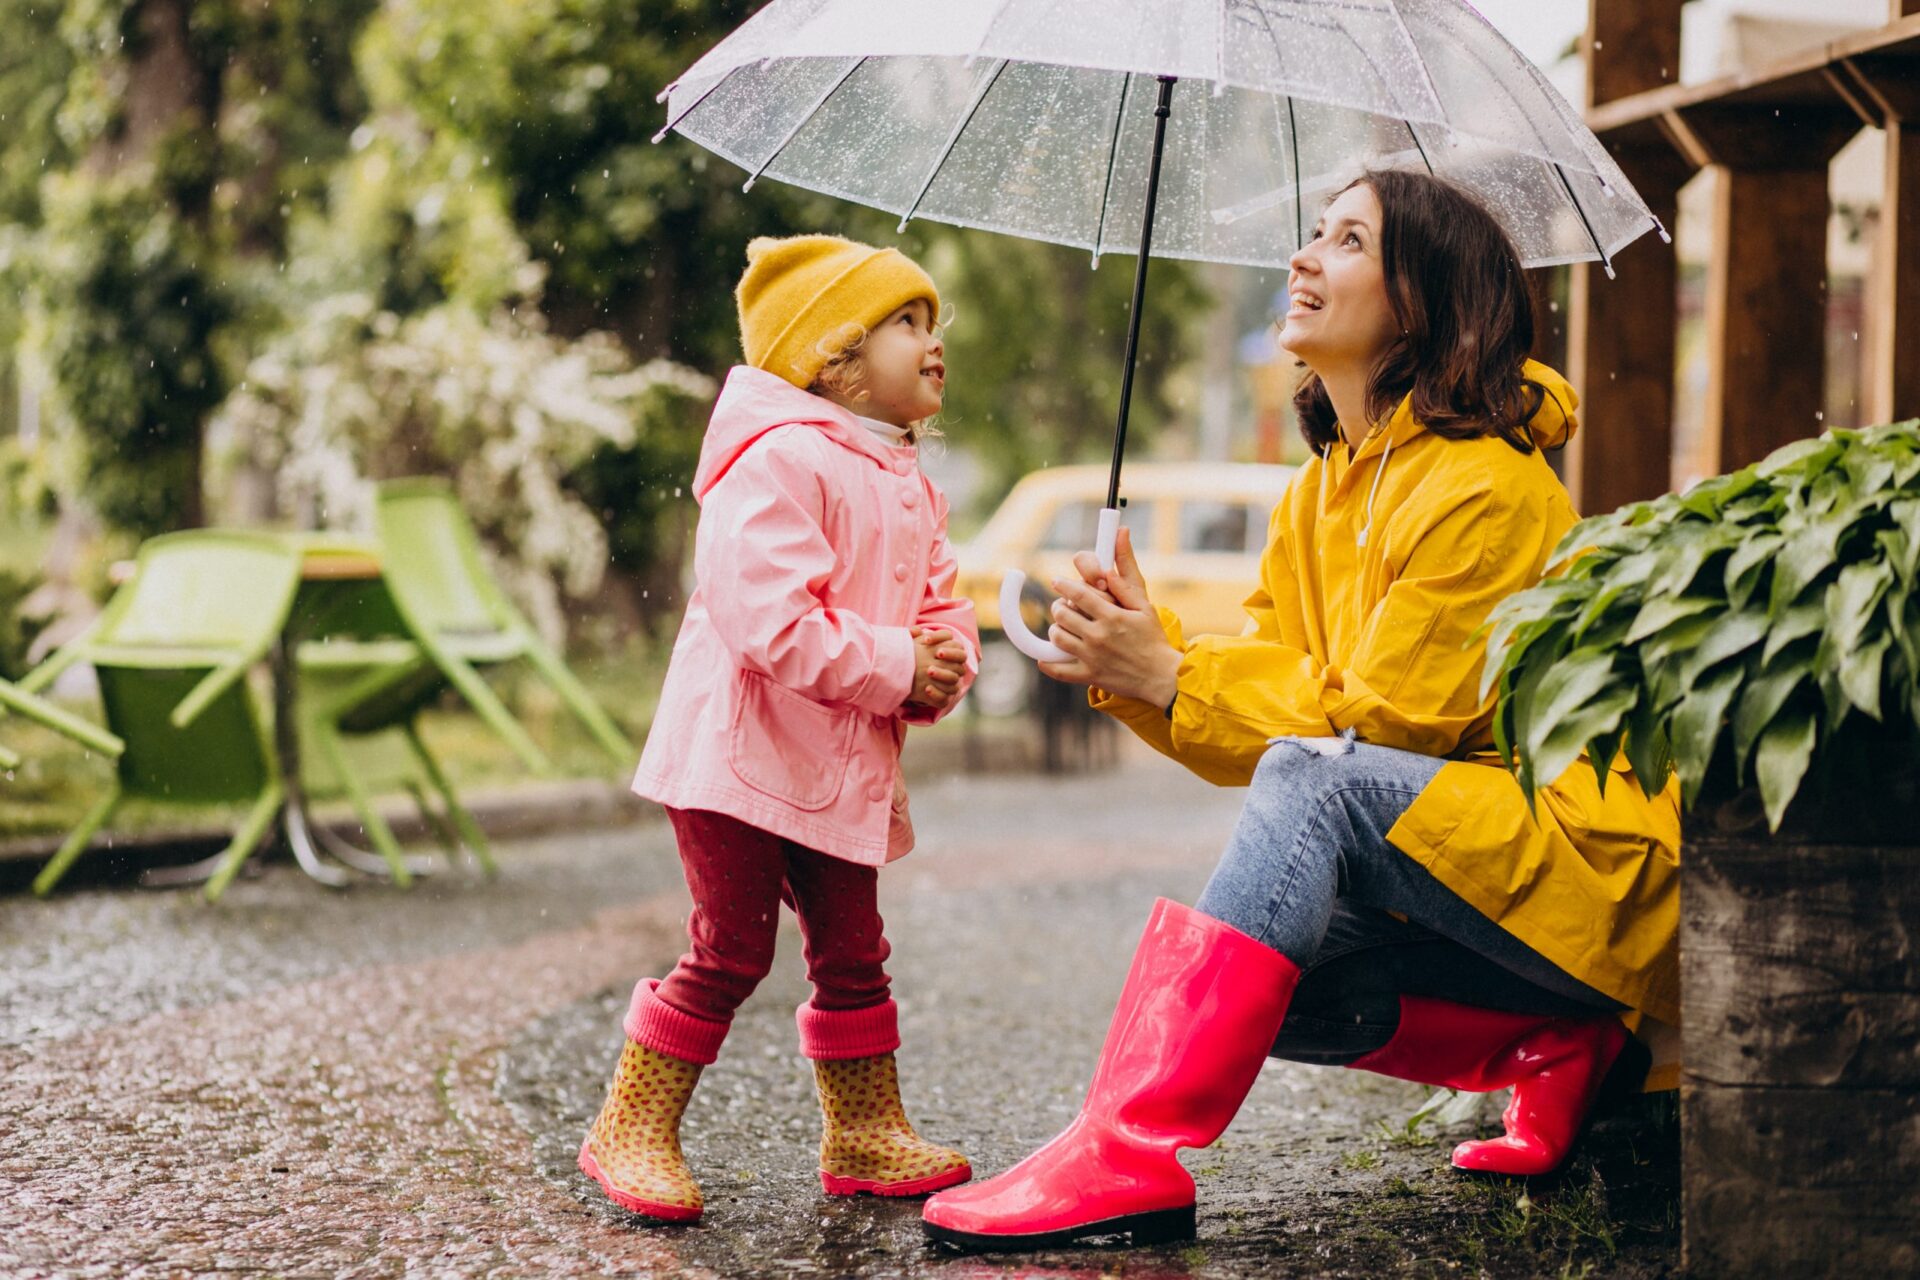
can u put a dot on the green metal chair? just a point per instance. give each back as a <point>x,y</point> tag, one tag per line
<point>172,650</point>
<point>461,619</point>
<point>360,684</point>
<point>85,732</point>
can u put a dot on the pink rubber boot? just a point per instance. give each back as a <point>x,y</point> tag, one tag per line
<point>1557,1068</point>
<point>1199,1012</point>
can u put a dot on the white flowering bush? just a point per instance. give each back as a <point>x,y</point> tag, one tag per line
<point>351,395</point>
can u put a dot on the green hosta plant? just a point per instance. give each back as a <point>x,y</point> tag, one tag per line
<point>1760,618</point>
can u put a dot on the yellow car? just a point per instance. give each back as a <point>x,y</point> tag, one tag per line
<point>1198,528</point>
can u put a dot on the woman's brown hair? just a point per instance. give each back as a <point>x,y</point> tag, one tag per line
<point>1457,294</point>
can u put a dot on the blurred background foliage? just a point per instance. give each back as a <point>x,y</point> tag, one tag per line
<point>266,253</point>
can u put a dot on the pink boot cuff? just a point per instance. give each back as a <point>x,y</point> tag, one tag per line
<point>831,1035</point>
<point>654,1024</point>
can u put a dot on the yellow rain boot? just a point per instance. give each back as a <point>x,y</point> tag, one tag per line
<point>867,1144</point>
<point>633,1149</point>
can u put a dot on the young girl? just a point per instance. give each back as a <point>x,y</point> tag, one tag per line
<point>820,626</point>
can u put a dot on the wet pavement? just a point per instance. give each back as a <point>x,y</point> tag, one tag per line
<point>301,1082</point>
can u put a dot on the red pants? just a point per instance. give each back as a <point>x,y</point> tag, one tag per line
<point>739,875</point>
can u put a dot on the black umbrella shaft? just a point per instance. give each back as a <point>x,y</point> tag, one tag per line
<point>1160,113</point>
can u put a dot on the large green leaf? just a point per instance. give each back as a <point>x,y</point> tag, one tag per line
<point>1781,762</point>
<point>1732,634</point>
<point>1903,614</point>
<point>1512,641</point>
<point>1680,637</point>
<point>1906,465</point>
<point>1906,514</point>
<point>1869,469</point>
<point>1598,716</point>
<point>1697,724</point>
<point>1620,586</point>
<point>1828,491</point>
<point>1610,529</point>
<point>1684,551</point>
<point>1649,750</point>
<point>1760,702</point>
<point>1860,673</point>
<point>1516,711</point>
<point>1747,565</point>
<point>1657,615</point>
<point>1574,682</point>
<point>1854,595</point>
<point>1806,554</point>
<point>1801,460</point>
<point>1709,498</point>
<point>1892,547</point>
<point>1802,620</point>
<point>1602,751</point>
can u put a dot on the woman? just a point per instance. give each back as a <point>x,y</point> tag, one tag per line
<point>1387,901</point>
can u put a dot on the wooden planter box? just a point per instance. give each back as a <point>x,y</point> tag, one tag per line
<point>1800,1084</point>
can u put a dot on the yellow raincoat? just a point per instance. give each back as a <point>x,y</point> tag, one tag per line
<point>1364,619</point>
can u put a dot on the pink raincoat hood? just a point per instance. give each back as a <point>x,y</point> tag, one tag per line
<point>754,402</point>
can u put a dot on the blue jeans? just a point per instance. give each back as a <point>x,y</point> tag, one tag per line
<point>1309,873</point>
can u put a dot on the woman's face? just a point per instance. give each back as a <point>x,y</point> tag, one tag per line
<point>1337,288</point>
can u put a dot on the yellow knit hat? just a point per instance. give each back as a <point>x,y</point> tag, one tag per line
<point>801,289</point>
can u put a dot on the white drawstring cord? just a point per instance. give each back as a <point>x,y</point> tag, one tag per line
<point>1375,489</point>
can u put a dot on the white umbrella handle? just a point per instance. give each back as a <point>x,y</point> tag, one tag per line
<point>1010,587</point>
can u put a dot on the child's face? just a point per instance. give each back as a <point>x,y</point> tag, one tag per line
<point>906,376</point>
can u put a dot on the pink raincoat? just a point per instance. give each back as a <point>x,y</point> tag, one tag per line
<point>819,547</point>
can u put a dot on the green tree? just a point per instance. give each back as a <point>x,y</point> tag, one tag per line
<point>647,241</point>
<point>176,138</point>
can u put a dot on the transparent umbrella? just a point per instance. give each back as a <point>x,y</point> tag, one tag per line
<point>1200,129</point>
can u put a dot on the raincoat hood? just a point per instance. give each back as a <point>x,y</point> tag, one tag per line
<point>754,402</point>
<point>1554,423</point>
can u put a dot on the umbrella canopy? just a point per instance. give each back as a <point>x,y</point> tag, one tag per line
<point>1036,118</point>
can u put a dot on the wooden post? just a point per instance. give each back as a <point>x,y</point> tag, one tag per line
<point>1767,279</point>
<point>1892,87</point>
<point>1620,333</point>
<point>1766,313</point>
<point>1620,340</point>
<point>1894,294</point>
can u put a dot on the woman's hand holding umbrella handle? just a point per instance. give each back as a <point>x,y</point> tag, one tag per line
<point>1015,582</point>
<point>1107,627</point>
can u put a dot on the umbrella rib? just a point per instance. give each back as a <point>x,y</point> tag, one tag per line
<point>953,140</point>
<point>1417,147</point>
<point>801,123</point>
<point>1293,134</point>
<point>1420,56</point>
<point>1299,196</point>
<point>1113,150</point>
<point>674,123</point>
<point>1605,260</point>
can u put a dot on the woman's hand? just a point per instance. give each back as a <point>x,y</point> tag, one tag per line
<point>1109,626</point>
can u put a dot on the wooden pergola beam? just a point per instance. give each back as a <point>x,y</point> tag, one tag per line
<point>1790,82</point>
<point>1890,82</point>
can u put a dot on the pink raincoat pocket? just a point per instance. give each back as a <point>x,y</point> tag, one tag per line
<point>786,745</point>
